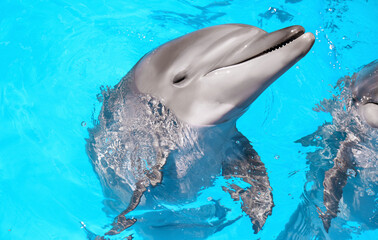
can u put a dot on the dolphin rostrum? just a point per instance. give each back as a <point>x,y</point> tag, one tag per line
<point>168,129</point>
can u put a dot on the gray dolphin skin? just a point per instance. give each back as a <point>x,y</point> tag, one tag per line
<point>168,129</point>
<point>365,93</point>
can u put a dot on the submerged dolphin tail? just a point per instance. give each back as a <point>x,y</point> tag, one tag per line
<point>243,162</point>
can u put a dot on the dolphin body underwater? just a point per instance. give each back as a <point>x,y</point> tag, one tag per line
<point>350,143</point>
<point>168,128</point>
<point>364,102</point>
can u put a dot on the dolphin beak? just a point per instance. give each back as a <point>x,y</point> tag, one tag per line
<point>269,56</point>
<point>263,45</point>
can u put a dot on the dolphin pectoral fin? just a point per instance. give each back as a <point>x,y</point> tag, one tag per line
<point>335,180</point>
<point>244,163</point>
<point>121,222</point>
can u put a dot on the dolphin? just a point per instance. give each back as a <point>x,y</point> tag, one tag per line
<point>168,128</point>
<point>365,100</point>
<point>350,144</point>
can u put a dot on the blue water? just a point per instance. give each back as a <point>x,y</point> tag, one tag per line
<point>55,56</point>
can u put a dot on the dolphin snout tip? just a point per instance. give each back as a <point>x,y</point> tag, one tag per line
<point>309,40</point>
<point>309,36</point>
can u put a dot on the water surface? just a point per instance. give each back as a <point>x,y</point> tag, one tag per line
<point>56,55</point>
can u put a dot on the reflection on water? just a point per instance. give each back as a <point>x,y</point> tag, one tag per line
<point>197,16</point>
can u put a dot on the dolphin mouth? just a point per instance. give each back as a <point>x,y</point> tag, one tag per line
<point>276,40</point>
<point>279,45</point>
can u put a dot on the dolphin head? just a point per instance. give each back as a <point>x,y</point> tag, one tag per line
<point>365,93</point>
<point>212,75</point>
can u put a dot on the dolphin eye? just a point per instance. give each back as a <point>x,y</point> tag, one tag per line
<point>179,78</point>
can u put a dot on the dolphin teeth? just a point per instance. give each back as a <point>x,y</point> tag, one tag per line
<point>280,45</point>
<point>271,49</point>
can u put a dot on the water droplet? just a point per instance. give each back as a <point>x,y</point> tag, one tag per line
<point>370,192</point>
<point>272,10</point>
<point>82,225</point>
<point>83,124</point>
<point>100,97</point>
<point>351,173</point>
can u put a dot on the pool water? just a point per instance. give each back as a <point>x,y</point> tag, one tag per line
<point>55,56</point>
